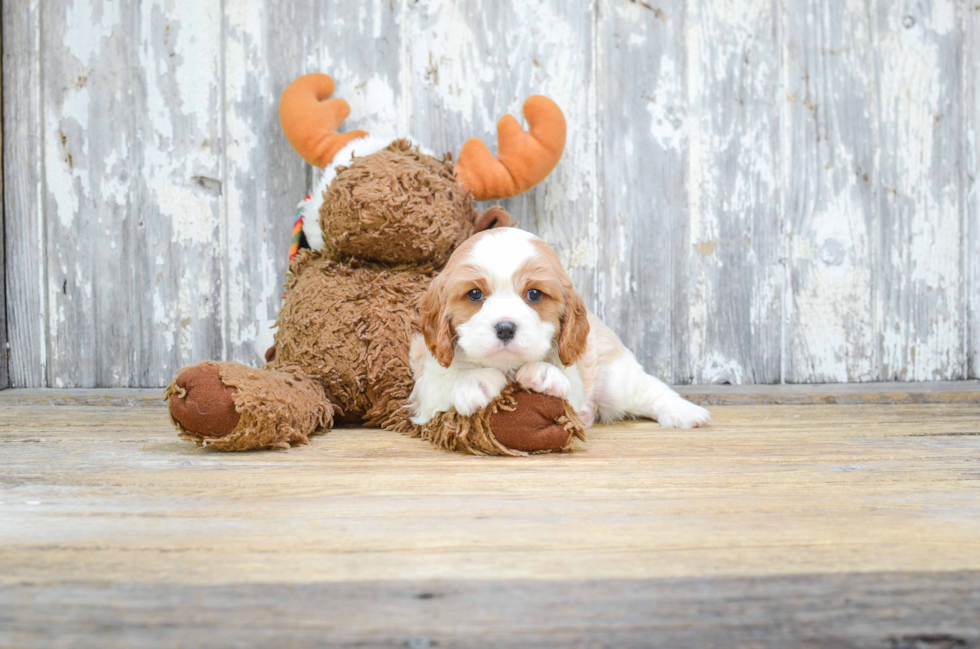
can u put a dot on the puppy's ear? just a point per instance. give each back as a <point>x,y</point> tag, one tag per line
<point>574,325</point>
<point>435,325</point>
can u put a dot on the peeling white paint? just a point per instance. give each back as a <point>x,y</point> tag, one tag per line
<point>719,369</point>
<point>162,315</point>
<point>89,24</point>
<point>170,164</point>
<point>372,99</point>
<point>445,57</point>
<point>923,326</point>
<point>581,254</point>
<point>60,176</point>
<point>667,123</point>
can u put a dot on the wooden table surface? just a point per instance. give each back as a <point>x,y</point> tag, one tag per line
<point>787,525</point>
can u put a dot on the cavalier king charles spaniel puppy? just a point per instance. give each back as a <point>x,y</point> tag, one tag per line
<point>505,309</point>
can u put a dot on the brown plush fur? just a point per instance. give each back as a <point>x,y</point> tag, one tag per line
<point>350,324</point>
<point>278,408</point>
<point>528,422</point>
<point>396,206</point>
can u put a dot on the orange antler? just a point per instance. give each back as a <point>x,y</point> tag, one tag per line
<point>310,119</point>
<point>524,158</point>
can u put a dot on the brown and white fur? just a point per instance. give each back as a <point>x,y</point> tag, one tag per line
<point>470,348</point>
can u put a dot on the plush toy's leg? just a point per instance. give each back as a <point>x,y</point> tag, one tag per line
<point>517,422</point>
<point>232,407</point>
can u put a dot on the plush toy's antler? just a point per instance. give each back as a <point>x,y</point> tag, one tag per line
<point>524,158</point>
<point>310,119</point>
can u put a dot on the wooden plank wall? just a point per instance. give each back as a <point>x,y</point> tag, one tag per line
<point>970,184</point>
<point>759,193</point>
<point>4,372</point>
<point>24,242</point>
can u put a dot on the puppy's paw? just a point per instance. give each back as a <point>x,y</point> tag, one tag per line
<point>477,388</point>
<point>680,413</point>
<point>544,378</point>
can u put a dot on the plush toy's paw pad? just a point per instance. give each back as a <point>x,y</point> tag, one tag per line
<point>544,378</point>
<point>204,405</point>
<point>476,389</point>
<point>681,413</point>
<point>531,426</point>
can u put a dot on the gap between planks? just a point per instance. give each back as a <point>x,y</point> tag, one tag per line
<point>707,395</point>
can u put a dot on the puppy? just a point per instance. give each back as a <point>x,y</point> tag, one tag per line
<point>504,308</point>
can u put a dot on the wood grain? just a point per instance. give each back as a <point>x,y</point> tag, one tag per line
<point>791,524</point>
<point>829,151</point>
<point>833,393</point>
<point>263,178</point>
<point>179,223</point>
<point>735,259</point>
<point>23,226</point>
<point>643,234</point>
<point>4,353</point>
<point>364,47</point>
<point>131,205</point>
<point>88,205</point>
<point>971,181</point>
<point>111,495</point>
<point>920,291</point>
<point>707,395</point>
<point>902,610</point>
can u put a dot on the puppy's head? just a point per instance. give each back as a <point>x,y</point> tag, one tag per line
<point>505,300</point>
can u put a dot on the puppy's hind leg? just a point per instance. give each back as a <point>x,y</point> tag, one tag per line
<point>623,389</point>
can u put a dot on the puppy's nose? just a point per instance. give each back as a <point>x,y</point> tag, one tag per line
<point>505,330</point>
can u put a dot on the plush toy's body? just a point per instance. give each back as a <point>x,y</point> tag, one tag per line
<point>383,220</point>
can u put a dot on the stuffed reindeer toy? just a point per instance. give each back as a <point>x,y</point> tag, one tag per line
<point>383,220</point>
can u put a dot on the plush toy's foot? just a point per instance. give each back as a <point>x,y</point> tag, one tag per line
<point>532,426</point>
<point>201,404</point>
<point>232,407</point>
<point>517,422</point>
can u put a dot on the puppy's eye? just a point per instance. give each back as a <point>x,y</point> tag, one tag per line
<point>475,295</point>
<point>534,295</point>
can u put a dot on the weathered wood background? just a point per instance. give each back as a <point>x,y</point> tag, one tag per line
<point>751,192</point>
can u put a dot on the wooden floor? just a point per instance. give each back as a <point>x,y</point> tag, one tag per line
<point>779,525</point>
